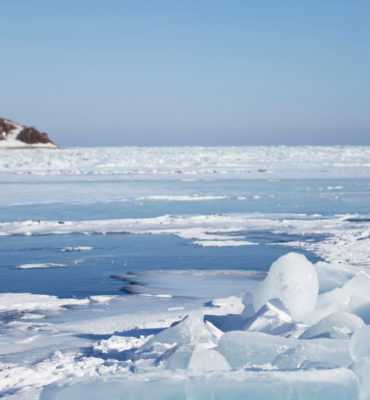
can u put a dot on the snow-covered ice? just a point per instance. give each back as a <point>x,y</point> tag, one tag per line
<point>272,162</point>
<point>31,302</point>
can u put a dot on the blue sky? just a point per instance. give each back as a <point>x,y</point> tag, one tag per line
<point>164,73</point>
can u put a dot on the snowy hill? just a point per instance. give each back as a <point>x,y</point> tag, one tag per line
<point>13,135</point>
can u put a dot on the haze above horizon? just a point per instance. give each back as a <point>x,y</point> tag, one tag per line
<point>171,73</point>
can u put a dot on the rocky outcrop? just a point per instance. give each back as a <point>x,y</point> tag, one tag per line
<point>13,135</point>
<point>6,126</point>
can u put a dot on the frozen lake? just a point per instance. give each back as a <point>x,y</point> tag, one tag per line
<point>127,241</point>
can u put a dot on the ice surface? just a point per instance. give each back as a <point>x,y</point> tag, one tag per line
<point>191,330</point>
<point>293,280</point>
<point>359,344</point>
<point>336,325</point>
<point>359,285</point>
<point>334,384</point>
<point>196,357</point>
<point>247,299</point>
<point>335,296</point>
<point>179,357</point>
<point>318,353</point>
<point>360,306</point>
<point>362,369</point>
<point>258,349</point>
<point>254,348</point>
<point>319,313</point>
<point>273,318</point>
<point>249,307</point>
<point>207,360</point>
<point>332,276</point>
<point>360,351</point>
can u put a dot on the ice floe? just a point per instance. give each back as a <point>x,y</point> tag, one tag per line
<point>223,243</point>
<point>46,265</point>
<point>81,248</point>
<point>31,302</point>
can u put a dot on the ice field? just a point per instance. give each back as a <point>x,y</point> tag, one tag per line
<point>185,273</point>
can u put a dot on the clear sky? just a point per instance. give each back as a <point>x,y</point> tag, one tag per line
<point>189,72</point>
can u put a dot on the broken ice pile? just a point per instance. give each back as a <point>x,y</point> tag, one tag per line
<point>302,334</point>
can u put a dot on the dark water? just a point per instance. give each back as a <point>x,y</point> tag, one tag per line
<point>89,272</point>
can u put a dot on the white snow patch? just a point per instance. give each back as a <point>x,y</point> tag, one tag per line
<point>77,249</point>
<point>31,302</point>
<point>182,198</point>
<point>224,243</point>
<point>46,265</point>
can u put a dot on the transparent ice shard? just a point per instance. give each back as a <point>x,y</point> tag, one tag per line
<point>359,347</point>
<point>317,353</point>
<point>359,285</point>
<point>360,306</point>
<point>191,330</point>
<point>332,276</point>
<point>273,318</point>
<point>332,384</point>
<point>319,313</point>
<point>336,325</point>
<point>335,296</point>
<point>179,357</point>
<point>254,348</point>
<point>247,299</point>
<point>249,310</point>
<point>207,360</point>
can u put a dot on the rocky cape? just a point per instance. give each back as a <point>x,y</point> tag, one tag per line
<point>15,136</point>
